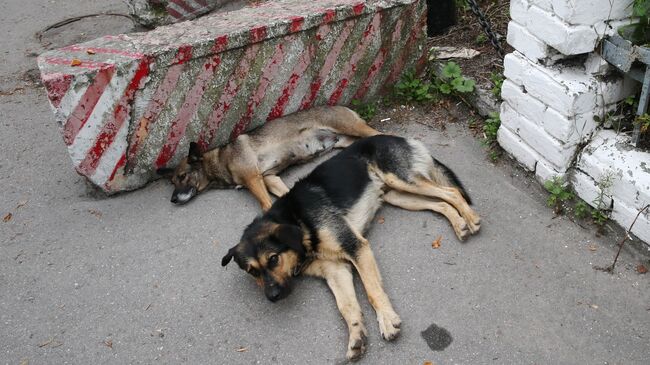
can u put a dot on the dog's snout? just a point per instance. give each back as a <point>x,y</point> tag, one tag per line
<point>273,292</point>
<point>174,199</point>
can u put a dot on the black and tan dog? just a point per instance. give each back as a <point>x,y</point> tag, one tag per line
<point>253,160</point>
<point>317,228</point>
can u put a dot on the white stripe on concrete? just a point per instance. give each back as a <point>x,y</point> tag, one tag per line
<point>71,99</point>
<point>101,114</point>
<point>178,9</point>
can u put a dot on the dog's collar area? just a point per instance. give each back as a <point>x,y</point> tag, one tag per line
<point>303,264</point>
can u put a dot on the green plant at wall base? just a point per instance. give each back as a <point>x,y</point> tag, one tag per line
<point>453,81</point>
<point>581,210</point>
<point>643,121</point>
<point>497,82</point>
<point>491,127</point>
<point>365,110</point>
<point>480,39</point>
<point>600,214</point>
<point>559,193</point>
<point>411,89</point>
<point>638,33</point>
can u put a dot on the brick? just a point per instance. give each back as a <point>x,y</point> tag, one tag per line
<point>624,215</point>
<point>558,154</point>
<point>552,30</point>
<point>529,45</point>
<point>519,150</point>
<point>590,12</point>
<point>544,171</point>
<point>568,89</point>
<point>135,101</point>
<point>523,103</point>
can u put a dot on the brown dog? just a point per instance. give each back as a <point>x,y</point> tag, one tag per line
<point>318,227</point>
<point>253,160</point>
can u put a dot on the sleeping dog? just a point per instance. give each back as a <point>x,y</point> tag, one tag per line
<point>317,228</point>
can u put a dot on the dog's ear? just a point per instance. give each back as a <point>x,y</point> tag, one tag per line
<point>291,236</point>
<point>165,172</point>
<point>226,259</point>
<point>195,154</point>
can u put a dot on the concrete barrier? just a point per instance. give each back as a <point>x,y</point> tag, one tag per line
<point>153,13</point>
<point>130,104</point>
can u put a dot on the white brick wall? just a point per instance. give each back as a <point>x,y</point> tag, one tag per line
<point>550,100</point>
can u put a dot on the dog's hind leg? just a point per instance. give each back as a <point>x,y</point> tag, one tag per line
<point>350,123</point>
<point>451,195</point>
<point>275,185</point>
<point>418,202</point>
<point>339,278</point>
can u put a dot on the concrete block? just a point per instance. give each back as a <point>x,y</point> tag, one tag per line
<point>529,45</point>
<point>596,65</point>
<point>624,215</point>
<point>516,147</point>
<point>568,89</point>
<point>587,189</point>
<point>611,154</point>
<point>129,104</point>
<point>566,38</point>
<point>153,13</point>
<point>558,154</point>
<point>590,12</point>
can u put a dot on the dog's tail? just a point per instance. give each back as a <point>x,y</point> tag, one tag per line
<point>453,179</point>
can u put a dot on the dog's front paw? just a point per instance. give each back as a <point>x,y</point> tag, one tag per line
<point>356,347</point>
<point>461,229</point>
<point>474,223</point>
<point>389,324</point>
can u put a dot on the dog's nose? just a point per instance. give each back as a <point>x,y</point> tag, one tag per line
<point>273,294</point>
<point>174,199</point>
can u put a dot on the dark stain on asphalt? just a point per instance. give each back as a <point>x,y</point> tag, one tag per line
<point>437,338</point>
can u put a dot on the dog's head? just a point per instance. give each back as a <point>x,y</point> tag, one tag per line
<point>188,177</point>
<point>272,253</point>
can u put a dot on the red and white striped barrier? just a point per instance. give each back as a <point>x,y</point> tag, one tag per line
<point>130,104</point>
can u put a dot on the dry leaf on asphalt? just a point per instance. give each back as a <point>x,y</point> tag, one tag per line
<point>75,62</point>
<point>381,220</point>
<point>436,243</point>
<point>24,362</point>
<point>242,349</point>
<point>109,343</point>
<point>7,217</point>
<point>592,247</point>
<point>90,51</point>
<point>593,306</point>
<point>427,363</point>
<point>641,269</point>
<point>21,203</point>
<point>96,213</point>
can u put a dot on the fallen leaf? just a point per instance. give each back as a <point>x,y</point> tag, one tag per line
<point>427,363</point>
<point>43,344</point>
<point>242,349</point>
<point>436,243</point>
<point>381,220</point>
<point>75,62</point>
<point>24,362</point>
<point>90,51</point>
<point>593,306</point>
<point>21,203</point>
<point>592,247</point>
<point>641,269</point>
<point>109,343</point>
<point>7,217</point>
<point>96,213</point>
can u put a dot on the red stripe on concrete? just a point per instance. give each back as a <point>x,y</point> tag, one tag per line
<point>330,60</point>
<point>398,66</point>
<point>175,14</point>
<point>269,72</point>
<point>84,109</point>
<point>298,71</point>
<point>185,114</point>
<point>258,33</point>
<point>183,5</point>
<point>57,85</point>
<point>329,15</point>
<point>378,63</point>
<point>360,51</point>
<point>76,48</point>
<point>112,126</point>
<point>227,96</point>
<point>358,8</point>
<point>120,163</point>
<point>184,54</point>
<point>155,106</point>
<point>296,23</point>
<point>81,63</point>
